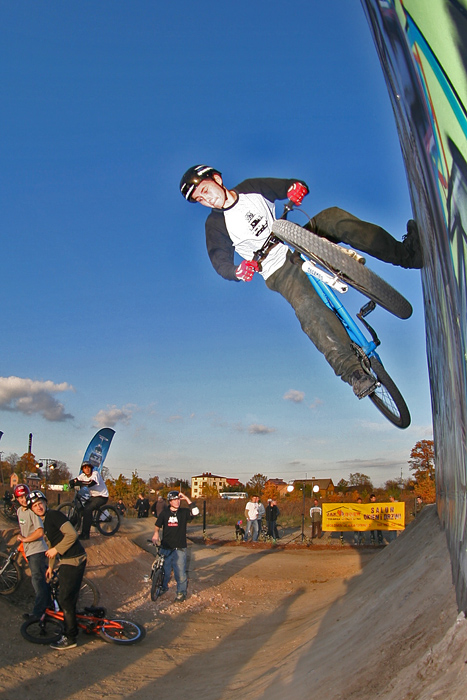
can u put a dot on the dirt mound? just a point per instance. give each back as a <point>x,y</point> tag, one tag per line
<point>262,623</point>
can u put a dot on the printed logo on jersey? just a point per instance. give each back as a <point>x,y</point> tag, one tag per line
<point>257,223</point>
<point>172,521</point>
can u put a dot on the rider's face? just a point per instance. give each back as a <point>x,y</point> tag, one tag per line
<point>210,193</point>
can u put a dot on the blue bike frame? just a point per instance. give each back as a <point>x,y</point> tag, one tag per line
<point>332,301</point>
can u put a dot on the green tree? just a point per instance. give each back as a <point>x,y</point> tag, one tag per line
<point>361,481</point>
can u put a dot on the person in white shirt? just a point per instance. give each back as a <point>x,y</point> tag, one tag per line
<point>252,521</point>
<point>92,478</point>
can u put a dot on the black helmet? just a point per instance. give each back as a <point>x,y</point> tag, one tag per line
<point>193,177</point>
<point>35,496</point>
<point>172,495</point>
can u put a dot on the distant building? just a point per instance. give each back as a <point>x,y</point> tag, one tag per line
<point>200,482</point>
<point>279,484</point>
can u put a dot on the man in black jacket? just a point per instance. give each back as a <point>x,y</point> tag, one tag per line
<point>64,543</point>
<point>241,220</point>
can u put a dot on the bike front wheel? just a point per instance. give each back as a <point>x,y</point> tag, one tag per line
<point>10,575</point>
<point>88,594</point>
<point>44,631</point>
<point>122,632</point>
<point>157,584</point>
<point>349,270</point>
<point>387,397</point>
<point>107,520</point>
<point>11,513</point>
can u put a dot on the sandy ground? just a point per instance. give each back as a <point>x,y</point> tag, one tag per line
<point>260,622</point>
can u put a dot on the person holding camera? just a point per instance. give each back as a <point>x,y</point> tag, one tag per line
<point>173,521</point>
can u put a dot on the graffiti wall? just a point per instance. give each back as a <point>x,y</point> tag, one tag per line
<point>422,47</point>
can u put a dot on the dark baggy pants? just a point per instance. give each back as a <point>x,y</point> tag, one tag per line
<point>318,321</point>
<point>339,226</point>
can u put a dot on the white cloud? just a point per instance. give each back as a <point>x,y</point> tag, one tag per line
<point>31,396</point>
<point>294,396</point>
<point>107,418</point>
<point>255,429</point>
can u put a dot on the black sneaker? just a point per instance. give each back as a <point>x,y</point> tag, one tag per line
<point>64,643</point>
<point>180,597</point>
<point>30,616</point>
<point>362,384</point>
<point>413,249</point>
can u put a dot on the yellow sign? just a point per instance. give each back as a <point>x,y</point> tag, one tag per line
<point>345,517</point>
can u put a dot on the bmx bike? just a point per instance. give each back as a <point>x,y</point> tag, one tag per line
<point>106,518</point>
<point>49,628</point>
<point>156,577</point>
<point>331,268</point>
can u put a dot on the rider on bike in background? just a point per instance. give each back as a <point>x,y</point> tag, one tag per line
<point>64,543</point>
<point>92,478</point>
<point>241,220</point>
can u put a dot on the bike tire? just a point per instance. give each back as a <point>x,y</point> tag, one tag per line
<point>44,631</point>
<point>157,583</point>
<point>387,397</point>
<point>350,270</point>
<point>69,509</point>
<point>111,523</point>
<point>122,632</point>
<point>88,595</point>
<point>11,577</point>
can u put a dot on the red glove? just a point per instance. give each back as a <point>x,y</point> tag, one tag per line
<point>296,193</point>
<point>246,270</point>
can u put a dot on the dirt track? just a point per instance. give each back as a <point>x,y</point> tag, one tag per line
<point>261,623</point>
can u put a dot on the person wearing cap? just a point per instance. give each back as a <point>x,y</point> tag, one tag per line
<point>32,537</point>
<point>65,546</point>
<point>173,521</point>
<point>91,477</point>
<point>241,221</point>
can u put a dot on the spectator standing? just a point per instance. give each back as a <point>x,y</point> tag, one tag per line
<point>272,513</point>
<point>173,521</point>
<point>251,514</point>
<point>316,515</point>
<point>142,506</point>
<point>32,536</point>
<point>121,507</point>
<point>261,515</point>
<point>376,536</point>
<point>358,536</point>
<point>158,506</point>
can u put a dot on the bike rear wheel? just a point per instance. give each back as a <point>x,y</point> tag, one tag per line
<point>107,520</point>
<point>88,595</point>
<point>157,583</point>
<point>44,631</point>
<point>387,397</point>
<point>350,270</point>
<point>122,632</point>
<point>10,576</point>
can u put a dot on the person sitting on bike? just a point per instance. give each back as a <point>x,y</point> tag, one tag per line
<point>64,543</point>
<point>91,477</point>
<point>173,521</point>
<point>32,536</point>
<point>241,220</point>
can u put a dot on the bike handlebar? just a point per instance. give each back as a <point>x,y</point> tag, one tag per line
<point>272,240</point>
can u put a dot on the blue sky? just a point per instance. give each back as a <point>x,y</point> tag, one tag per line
<point>112,314</point>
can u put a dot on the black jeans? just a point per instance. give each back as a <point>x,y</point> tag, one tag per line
<point>69,584</point>
<point>318,321</point>
<point>341,227</point>
<point>93,503</point>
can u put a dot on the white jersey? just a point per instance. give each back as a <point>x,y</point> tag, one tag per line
<point>249,223</point>
<point>97,489</point>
